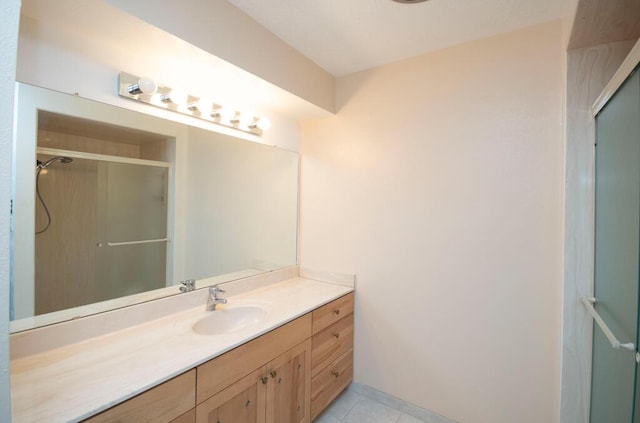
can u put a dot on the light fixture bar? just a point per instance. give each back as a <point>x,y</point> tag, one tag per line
<point>145,90</point>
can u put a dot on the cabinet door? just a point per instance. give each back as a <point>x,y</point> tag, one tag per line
<point>242,402</point>
<point>289,386</point>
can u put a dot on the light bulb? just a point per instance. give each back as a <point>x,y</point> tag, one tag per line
<point>204,105</point>
<point>156,99</point>
<point>225,113</point>
<point>178,97</point>
<point>245,119</point>
<point>263,123</point>
<point>143,86</point>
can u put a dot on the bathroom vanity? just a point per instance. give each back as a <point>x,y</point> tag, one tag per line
<point>284,354</point>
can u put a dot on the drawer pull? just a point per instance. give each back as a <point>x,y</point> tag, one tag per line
<point>336,335</point>
<point>264,380</point>
<point>336,311</point>
<point>274,374</point>
<point>336,374</point>
<point>248,403</point>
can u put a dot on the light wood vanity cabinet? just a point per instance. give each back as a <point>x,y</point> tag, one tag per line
<point>288,375</point>
<point>170,401</point>
<point>332,352</point>
<point>272,379</point>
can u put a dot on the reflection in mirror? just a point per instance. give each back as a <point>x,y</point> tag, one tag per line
<point>113,207</point>
<point>101,213</point>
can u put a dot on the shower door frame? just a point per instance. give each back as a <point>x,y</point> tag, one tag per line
<point>628,66</point>
<point>132,161</point>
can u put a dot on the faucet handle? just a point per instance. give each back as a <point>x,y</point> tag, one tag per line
<point>215,289</point>
<point>188,285</point>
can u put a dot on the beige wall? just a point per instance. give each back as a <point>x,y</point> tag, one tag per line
<point>439,183</point>
<point>225,31</point>
<point>77,47</point>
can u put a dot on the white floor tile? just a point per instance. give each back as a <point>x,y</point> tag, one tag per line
<point>405,418</point>
<point>326,418</point>
<point>341,406</point>
<point>368,411</point>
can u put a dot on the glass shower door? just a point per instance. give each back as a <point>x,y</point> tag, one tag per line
<point>132,228</point>
<point>617,240</point>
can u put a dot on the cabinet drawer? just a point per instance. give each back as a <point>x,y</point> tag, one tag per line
<point>164,403</point>
<point>329,382</point>
<point>331,343</point>
<point>330,313</point>
<point>222,371</point>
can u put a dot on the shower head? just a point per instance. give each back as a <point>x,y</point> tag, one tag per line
<point>61,159</point>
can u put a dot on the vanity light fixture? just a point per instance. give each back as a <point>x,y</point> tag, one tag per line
<point>261,123</point>
<point>243,119</point>
<point>177,97</point>
<point>224,113</point>
<point>144,85</point>
<point>147,91</point>
<point>204,106</point>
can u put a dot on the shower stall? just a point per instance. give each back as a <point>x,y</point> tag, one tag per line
<point>101,228</point>
<point>614,303</point>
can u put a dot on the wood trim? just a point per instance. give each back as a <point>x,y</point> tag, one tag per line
<point>328,314</point>
<point>163,403</point>
<point>222,371</point>
<point>621,75</point>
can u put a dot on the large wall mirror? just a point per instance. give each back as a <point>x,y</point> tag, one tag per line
<point>113,207</point>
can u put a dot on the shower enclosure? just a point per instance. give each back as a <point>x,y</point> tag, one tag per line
<point>614,305</point>
<point>107,235</point>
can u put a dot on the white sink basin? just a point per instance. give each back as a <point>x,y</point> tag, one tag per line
<point>226,319</point>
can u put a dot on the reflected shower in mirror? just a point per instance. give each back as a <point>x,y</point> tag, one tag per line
<point>103,235</point>
<point>41,169</point>
<point>122,206</point>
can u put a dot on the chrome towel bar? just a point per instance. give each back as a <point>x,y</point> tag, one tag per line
<point>588,303</point>
<point>145,241</point>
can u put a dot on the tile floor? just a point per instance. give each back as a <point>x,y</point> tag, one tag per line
<point>351,407</point>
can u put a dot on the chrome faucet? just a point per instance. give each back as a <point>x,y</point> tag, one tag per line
<point>188,285</point>
<point>212,298</point>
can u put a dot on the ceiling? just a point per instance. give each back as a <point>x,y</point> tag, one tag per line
<point>346,36</point>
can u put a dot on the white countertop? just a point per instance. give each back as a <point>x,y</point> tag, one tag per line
<point>76,381</point>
